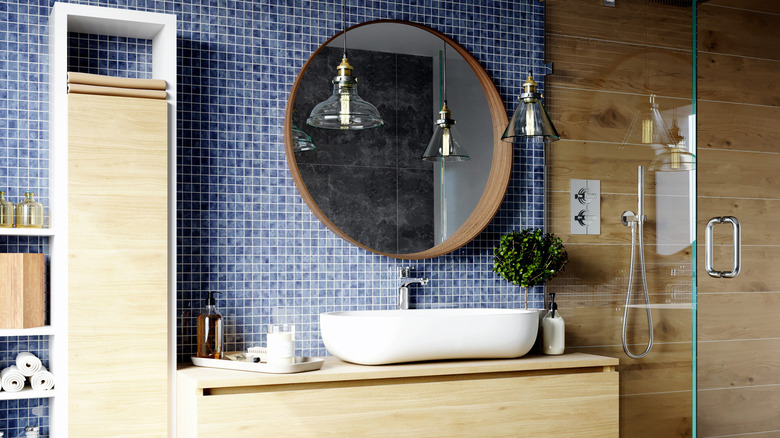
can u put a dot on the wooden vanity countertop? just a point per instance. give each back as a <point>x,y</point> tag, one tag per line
<point>335,370</point>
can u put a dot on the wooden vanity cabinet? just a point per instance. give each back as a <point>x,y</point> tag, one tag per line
<point>574,395</point>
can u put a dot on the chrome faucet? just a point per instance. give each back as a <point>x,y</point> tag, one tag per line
<point>403,291</point>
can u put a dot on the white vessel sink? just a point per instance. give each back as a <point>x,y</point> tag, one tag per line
<point>376,337</point>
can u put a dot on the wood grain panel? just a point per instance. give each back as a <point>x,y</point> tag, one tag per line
<point>601,326</point>
<point>597,275</point>
<point>656,415</point>
<point>738,79</point>
<point>667,368</point>
<point>771,6</point>
<point>117,266</point>
<point>624,68</point>
<point>759,263</point>
<point>629,21</point>
<point>22,290</point>
<point>738,32</point>
<point>667,217</point>
<point>598,116</point>
<point>738,127</point>
<point>738,316</point>
<point>738,410</point>
<point>738,363</point>
<point>732,174</point>
<point>759,227</point>
<point>464,408</point>
<point>614,163</point>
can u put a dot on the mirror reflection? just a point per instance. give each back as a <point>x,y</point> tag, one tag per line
<point>372,184</point>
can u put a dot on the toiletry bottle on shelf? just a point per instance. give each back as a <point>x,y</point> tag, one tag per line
<point>6,213</point>
<point>29,214</point>
<point>553,330</point>
<point>210,330</point>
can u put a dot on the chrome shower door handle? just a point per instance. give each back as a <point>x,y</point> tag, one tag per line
<point>708,247</point>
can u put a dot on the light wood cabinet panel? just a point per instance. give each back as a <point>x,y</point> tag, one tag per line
<point>575,401</point>
<point>118,267</point>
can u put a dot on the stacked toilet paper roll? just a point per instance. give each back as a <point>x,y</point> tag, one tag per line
<point>28,366</point>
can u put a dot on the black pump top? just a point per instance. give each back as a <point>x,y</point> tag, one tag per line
<point>211,301</point>
<point>553,305</point>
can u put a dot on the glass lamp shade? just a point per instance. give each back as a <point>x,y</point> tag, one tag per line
<point>301,140</point>
<point>344,109</point>
<point>674,159</point>
<point>531,118</point>
<point>648,127</point>
<point>445,144</point>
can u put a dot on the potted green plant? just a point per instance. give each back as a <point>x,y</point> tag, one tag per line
<point>529,257</point>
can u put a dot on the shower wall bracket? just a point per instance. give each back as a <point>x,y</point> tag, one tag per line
<point>585,197</point>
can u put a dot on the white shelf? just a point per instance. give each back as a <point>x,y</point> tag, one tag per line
<point>26,232</point>
<point>35,331</point>
<point>26,393</point>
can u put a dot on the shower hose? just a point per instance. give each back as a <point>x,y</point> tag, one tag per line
<point>637,236</point>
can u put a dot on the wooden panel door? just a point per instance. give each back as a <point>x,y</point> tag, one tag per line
<point>117,306</point>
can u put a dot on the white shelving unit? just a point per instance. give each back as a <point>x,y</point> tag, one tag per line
<point>161,30</point>
<point>36,331</point>
<point>27,393</point>
<point>44,232</point>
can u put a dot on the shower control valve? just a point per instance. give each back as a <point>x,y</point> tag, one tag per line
<point>585,196</point>
<point>585,218</point>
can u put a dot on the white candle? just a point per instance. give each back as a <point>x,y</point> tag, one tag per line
<point>281,348</point>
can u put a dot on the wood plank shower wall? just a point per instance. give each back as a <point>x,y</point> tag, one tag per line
<point>607,62</point>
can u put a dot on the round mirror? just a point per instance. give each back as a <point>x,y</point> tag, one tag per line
<point>371,187</point>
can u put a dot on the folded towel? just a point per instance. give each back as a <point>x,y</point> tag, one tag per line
<point>13,380</point>
<point>112,81</point>
<point>28,364</point>
<point>113,91</point>
<point>43,380</point>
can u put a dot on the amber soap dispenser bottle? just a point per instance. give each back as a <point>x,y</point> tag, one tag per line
<point>210,330</point>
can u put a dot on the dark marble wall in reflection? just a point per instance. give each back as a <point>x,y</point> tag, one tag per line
<point>372,183</point>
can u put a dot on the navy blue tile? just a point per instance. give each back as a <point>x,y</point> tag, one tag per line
<point>243,228</point>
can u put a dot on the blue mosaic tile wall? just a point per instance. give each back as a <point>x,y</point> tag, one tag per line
<point>243,228</point>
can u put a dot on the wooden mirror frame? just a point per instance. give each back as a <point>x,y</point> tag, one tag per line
<point>500,169</point>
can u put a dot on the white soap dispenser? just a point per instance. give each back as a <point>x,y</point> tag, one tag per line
<point>553,339</point>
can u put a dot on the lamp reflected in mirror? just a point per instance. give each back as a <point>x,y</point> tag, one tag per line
<point>445,144</point>
<point>344,109</point>
<point>302,141</point>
